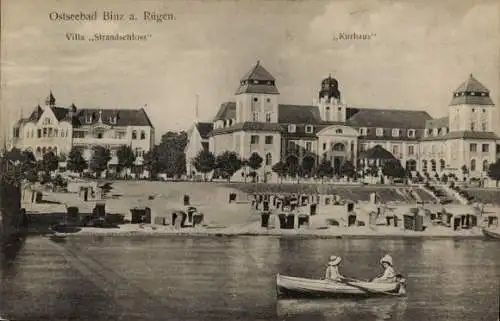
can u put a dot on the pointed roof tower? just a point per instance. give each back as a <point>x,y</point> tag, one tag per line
<point>50,100</point>
<point>258,81</point>
<point>471,92</point>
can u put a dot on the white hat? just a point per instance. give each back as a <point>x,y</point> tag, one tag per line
<point>335,260</point>
<point>387,259</point>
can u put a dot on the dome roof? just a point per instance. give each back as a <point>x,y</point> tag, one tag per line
<point>329,82</point>
<point>329,88</point>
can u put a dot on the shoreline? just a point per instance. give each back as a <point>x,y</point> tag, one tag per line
<point>315,234</point>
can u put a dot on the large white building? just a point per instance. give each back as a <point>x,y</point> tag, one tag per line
<point>255,121</point>
<point>59,129</point>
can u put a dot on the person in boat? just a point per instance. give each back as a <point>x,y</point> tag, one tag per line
<point>332,271</point>
<point>389,274</point>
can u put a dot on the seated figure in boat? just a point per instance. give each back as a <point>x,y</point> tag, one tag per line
<point>389,274</point>
<point>332,271</point>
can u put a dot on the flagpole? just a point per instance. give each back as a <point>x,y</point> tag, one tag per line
<point>196,109</point>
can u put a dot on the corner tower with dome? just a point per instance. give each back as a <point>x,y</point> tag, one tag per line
<point>254,121</point>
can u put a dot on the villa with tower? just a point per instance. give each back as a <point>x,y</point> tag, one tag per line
<point>59,129</point>
<point>255,122</point>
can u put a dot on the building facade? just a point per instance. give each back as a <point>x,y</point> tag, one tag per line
<point>59,129</point>
<point>328,129</point>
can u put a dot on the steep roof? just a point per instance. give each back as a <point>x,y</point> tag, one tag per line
<point>377,152</point>
<point>204,129</point>
<point>297,114</point>
<point>124,117</point>
<point>226,110</point>
<point>258,72</point>
<point>389,118</point>
<point>357,117</point>
<point>471,84</point>
<point>471,92</point>
<point>437,123</point>
<point>257,81</point>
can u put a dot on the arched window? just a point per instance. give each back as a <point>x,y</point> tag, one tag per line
<point>485,166</point>
<point>472,165</point>
<point>38,151</point>
<point>424,165</point>
<point>269,159</point>
<point>44,150</point>
<point>433,165</point>
<point>54,150</point>
<point>338,147</point>
<point>442,164</point>
<point>134,134</point>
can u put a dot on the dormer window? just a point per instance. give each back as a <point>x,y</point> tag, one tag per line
<point>363,131</point>
<point>309,129</point>
<point>395,132</point>
<point>291,128</point>
<point>483,94</point>
<point>411,133</point>
<point>338,131</point>
<point>380,132</point>
<point>444,131</point>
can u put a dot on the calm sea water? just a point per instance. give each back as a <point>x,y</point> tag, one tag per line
<point>104,278</point>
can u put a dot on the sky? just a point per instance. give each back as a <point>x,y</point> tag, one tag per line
<point>418,53</point>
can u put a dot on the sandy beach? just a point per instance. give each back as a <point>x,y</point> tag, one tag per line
<point>221,218</point>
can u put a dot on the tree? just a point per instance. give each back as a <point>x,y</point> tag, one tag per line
<point>325,169</point>
<point>99,161</point>
<point>393,169</point>
<point>171,153</point>
<point>126,157</point>
<point>50,162</point>
<point>153,163</point>
<point>494,171</point>
<point>373,170</point>
<point>15,155</point>
<point>76,162</point>
<point>254,162</point>
<point>228,163</point>
<point>308,164</point>
<point>204,162</point>
<point>348,169</point>
<point>465,171</point>
<point>280,169</point>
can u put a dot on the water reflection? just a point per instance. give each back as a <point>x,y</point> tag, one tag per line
<point>335,309</point>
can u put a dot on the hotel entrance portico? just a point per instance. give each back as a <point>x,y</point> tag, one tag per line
<point>337,144</point>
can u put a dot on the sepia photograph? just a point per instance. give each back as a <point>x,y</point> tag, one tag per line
<point>262,160</point>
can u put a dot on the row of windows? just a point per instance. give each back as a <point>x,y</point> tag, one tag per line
<point>46,132</point>
<point>437,131</point>
<point>485,148</point>
<point>292,128</point>
<point>484,126</point>
<point>442,165</point>
<point>254,139</point>
<point>396,132</point>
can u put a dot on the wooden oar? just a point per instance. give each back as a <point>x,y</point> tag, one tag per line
<point>364,288</point>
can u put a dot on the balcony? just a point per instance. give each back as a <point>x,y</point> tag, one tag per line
<point>109,142</point>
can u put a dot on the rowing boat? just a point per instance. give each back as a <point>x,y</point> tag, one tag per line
<point>495,235</point>
<point>292,287</point>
